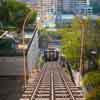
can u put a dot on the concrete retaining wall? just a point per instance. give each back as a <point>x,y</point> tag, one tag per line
<point>11,66</point>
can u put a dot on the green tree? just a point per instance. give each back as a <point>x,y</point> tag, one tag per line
<point>12,13</point>
<point>71,38</point>
<point>71,41</point>
<point>91,82</point>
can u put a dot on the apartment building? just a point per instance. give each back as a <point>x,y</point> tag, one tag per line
<point>47,11</point>
<point>59,6</point>
<point>82,7</point>
<point>47,7</point>
<point>67,6</point>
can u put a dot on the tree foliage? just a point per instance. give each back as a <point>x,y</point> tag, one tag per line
<point>71,37</point>
<point>71,41</point>
<point>12,13</point>
<point>91,82</point>
<point>92,35</point>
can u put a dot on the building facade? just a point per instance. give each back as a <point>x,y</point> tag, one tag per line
<point>82,7</point>
<point>67,6</point>
<point>47,12</point>
<point>59,6</point>
<point>53,10</point>
<point>47,7</point>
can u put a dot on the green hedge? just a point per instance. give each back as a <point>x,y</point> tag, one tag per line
<point>92,78</point>
<point>40,62</point>
<point>91,82</point>
<point>93,95</point>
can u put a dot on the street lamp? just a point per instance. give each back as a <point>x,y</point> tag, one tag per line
<point>82,46</point>
<point>24,56</point>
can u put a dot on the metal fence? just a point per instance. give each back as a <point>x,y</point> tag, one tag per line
<point>33,51</point>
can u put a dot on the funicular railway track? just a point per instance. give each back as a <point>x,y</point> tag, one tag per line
<point>53,85</point>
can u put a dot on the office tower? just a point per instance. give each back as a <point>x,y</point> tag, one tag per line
<point>82,7</point>
<point>55,7</point>
<point>67,6</point>
<point>96,6</point>
<point>59,6</point>
<point>47,7</point>
<point>63,6</point>
<point>47,11</point>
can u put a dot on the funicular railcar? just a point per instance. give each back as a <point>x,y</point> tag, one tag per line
<point>51,54</point>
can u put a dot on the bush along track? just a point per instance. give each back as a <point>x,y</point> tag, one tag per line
<point>91,82</point>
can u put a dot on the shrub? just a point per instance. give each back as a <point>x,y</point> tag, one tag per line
<point>91,82</point>
<point>75,67</point>
<point>93,95</point>
<point>92,78</point>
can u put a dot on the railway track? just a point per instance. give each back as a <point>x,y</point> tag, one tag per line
<point>52,84</point>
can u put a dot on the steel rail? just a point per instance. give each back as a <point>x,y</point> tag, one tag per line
<point>52,85</point>
<point>38,84</point>
<point>66,85</point>
<point>30,42</point>
<point>56,79</point>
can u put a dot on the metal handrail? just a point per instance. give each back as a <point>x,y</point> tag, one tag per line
<point>29,45</point>
<point>5,33</point>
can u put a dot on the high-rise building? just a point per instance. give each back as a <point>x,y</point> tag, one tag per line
<point>96,6</point>
<point>47,7</point>
<point>54,7</point>
<point>82,7</point>
<point>59,6</point>
<point>64,6</point>
<point>47,11</point>
<point>67,6</point>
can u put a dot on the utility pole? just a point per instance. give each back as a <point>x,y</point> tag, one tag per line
<point>82,47</point>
